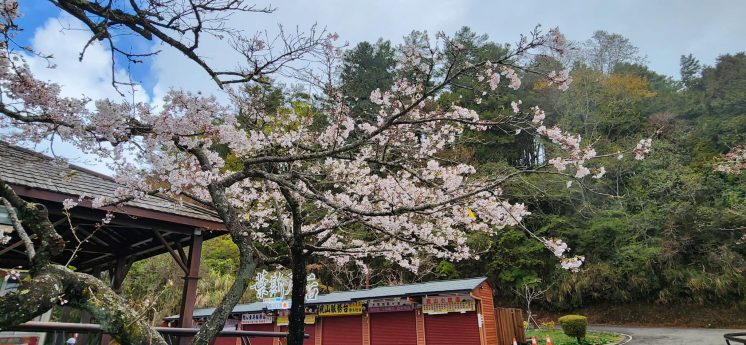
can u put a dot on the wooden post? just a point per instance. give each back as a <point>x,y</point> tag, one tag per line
<point>85,317</point>
<point>121,268</point>
<point>366,329</point>
<point>319,330</point>
<point>420,326</point>
<point>189,295</point>
<point>276,341</point>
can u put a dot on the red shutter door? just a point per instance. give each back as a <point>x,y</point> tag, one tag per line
<point>342,330</point>
<point>310,330</point>
<point>452,328</point>
<point>261,328</point>
<point>227,341</point>
<point>397,328</point>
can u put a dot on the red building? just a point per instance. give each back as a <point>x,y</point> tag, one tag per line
<point>435,313</point>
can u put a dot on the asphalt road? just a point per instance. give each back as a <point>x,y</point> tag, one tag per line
<point>670,336</point>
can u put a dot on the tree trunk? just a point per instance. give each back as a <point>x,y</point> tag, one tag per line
<point>297,327</point>
<point>246,267</point>
<point>53,284</point>
<point>247,260</point>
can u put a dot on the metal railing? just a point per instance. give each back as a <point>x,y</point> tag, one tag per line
<point>171,334</point>
<point>736,338</point>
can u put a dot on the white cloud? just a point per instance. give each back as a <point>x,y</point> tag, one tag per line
<point>64,39</point>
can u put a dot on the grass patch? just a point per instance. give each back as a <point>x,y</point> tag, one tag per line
<point>559,338</point>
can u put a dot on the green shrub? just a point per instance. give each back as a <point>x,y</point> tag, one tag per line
<point>574,326</point>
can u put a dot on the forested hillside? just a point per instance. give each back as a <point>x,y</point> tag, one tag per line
<point>668,229</point>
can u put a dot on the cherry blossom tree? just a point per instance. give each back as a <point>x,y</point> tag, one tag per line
<point>326,182</point>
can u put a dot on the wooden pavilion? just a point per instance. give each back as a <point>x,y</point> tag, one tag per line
<point>140,229</point>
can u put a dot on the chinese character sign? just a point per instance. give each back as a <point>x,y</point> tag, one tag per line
<point>279,285</point>
<point>448,304</point>
<point>341,309</point>
<point>254,319</point>
<point>260,286</point>
<point>312,287</point>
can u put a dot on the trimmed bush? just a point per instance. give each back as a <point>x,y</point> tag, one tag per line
<point>574,326</point>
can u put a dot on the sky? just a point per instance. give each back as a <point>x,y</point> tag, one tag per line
<point>662,29</point>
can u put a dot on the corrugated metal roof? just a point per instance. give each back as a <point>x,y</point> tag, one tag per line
<point>31,169</point>
<point>418,289</point>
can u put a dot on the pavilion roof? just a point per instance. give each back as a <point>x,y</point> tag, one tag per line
<point>32,170</point>
<point>140,228</point>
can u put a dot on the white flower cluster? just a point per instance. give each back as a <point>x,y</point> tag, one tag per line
<point>379,172</point>
<point>560,249</point>
<point>68,204</point>
<point>561,79</point>
<point>572,264</point>
<point>642,148</point>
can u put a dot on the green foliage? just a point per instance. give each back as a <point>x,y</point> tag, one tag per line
<point>662,230</point>
<point>574,326</point>
<point>725,85</point>
<point>559,338</point>
<point>367,67</point>
<point>691,69</point>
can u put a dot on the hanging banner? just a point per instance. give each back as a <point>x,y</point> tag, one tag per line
<point>448,304</point>
<point>255,319</point>
<point>337,309</point>
<point>386,305</point>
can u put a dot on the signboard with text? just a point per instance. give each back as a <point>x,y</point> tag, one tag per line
<point>337,309</point>
<point>283,318</point>
<point>276,303</point>
<point>386,305</point>
<point>256,319</point>
<point>448,304</point>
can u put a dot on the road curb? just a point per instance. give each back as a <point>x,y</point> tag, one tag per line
<point>627,339</point>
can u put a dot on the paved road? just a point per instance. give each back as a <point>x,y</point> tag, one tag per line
<point>670,336</point>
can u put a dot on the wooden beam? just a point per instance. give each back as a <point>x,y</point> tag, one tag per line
<point>180,248</point>
<point>135,255</point>
<point>171,251</point>
<point>123,220</point>
<point>25,191</point>
<point>10,247</point>
<point>137,244</point>
<point>92,237</point>
<point>83,265</point>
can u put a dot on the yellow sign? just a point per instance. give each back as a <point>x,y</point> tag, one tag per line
<point>448,304</point>
<point>341,309</point>
<point>284,321</point>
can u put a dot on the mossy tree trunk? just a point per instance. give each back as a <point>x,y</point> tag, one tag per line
<point>51,284</point>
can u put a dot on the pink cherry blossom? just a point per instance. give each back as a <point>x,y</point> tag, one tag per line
<point>378,172</point>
